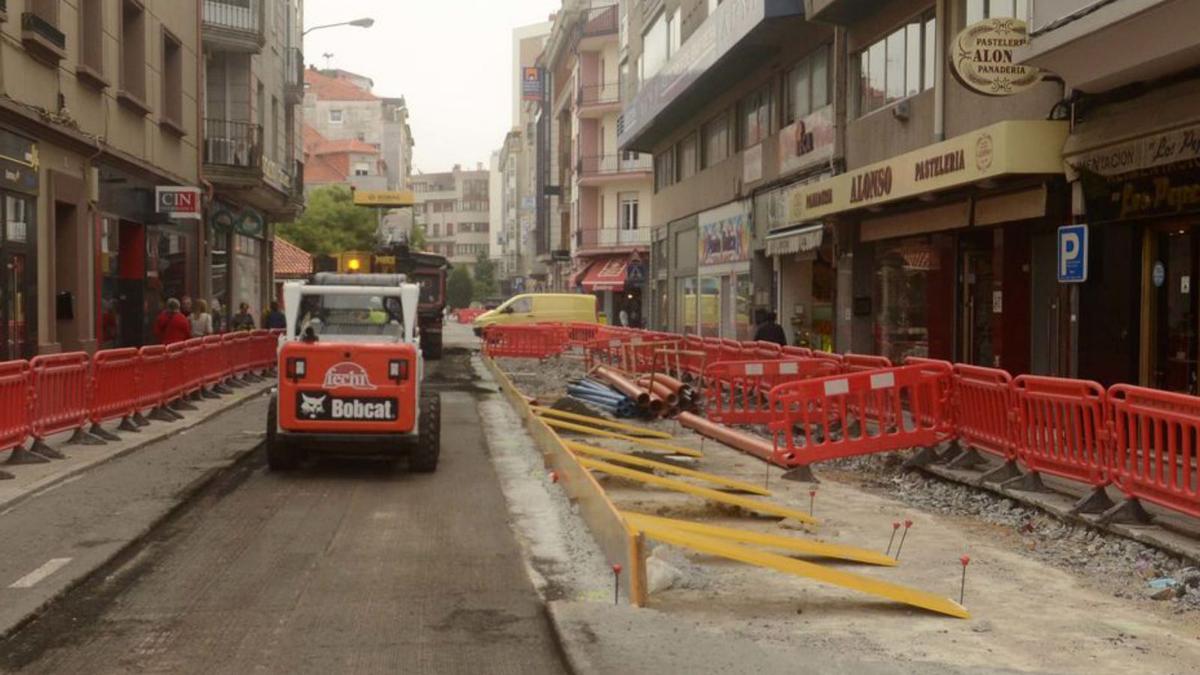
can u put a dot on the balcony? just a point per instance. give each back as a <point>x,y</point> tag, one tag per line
<point>597,26</point>
<point>607,168</point>
<point>1074,39</point>
<point>234,25</point>
<point>293,86</point>
<point>841,12</point>
<point>598,99</point>
<point>42,39</point>
<point>233,151</point>
<point>611,239</point>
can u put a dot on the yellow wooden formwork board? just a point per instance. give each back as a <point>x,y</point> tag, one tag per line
<point>631,429</point>
<point>622,458</point>
<point>806,546</point>
<point>750,556</point>
<point>647,442</point>
<point>765,508</point>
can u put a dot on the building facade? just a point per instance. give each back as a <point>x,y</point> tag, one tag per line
<point>88,255</point>
<point>453,209</point>
<point>253,156</point>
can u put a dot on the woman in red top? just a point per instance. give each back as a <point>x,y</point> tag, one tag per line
<point>171,325</point>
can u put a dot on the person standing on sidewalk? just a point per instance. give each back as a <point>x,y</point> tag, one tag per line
<point>275,318</point>
<point>243,320</point>
<point>171,325</point>
<point>201,320</point>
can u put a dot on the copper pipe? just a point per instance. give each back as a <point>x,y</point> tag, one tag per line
<point>659,389</point>
<point>623,385</point>
<point>737,440</point>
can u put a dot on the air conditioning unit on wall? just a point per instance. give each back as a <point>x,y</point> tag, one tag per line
<point>902,110</point>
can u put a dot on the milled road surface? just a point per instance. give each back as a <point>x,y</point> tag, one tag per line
<point>340,567</point>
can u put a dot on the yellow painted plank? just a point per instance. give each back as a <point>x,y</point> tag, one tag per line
<point>750,556</point>
<point>622,458</point>
<point>648,442</point>
<point>815,548</point>
<point>632,429</point>
<point>755,505</point>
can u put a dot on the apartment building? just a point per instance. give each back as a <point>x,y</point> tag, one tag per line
<point>343,162</point>
<point>253,142</point>
<point>1131,159</point>
<point>100,110</point>
<point>603,202</point>
<point>863,179</point>
<point>341,105</point>
<point>454,210</point>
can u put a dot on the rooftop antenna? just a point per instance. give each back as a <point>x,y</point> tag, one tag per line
<point>327,56</point>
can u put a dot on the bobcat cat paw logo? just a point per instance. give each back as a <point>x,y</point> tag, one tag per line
<point>347,374</point>
<point>312,406</point>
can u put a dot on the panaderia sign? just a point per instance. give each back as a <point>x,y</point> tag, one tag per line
<point>1013,147</point>
<point>983,57</point>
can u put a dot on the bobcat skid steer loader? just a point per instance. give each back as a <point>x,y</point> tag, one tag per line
<point>350,371</point>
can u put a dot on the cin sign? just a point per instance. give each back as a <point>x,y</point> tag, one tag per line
<point>983,57</point>
<point>177,202</point>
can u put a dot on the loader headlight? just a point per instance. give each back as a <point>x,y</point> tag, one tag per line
<point>296,368</point>
<point>398,370</point>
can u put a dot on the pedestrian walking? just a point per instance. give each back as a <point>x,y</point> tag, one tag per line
<point>275,318</point>
<point>769,330</point>
<point>201,320</point>
<point>185,306</point>
<point>220,325</point>
<point>243,320</point>
<point>172,326</point>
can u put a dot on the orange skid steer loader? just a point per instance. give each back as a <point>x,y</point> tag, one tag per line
<point>350,371</point>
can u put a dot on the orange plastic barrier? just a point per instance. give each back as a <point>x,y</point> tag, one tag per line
<point>214,360</point>
<point>175,372</point>
<point>1156,446</point>
<point>524,341</point>
<point>60,390</point>
<point>193,366</point>
<point>1061,428</point>
<point>811,419</point>
<point>152,377</point>
<point>736,392</point>
<point>985,411</point>
<point>636,353</point>
<point>115,386</point>
<point>15,386</point>
<point>860,363</point>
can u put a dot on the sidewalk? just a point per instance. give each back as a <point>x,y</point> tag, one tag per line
<point>61,521</point>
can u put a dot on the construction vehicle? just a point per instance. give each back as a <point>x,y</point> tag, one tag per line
<point>428,270</point>
<point>350,373</point>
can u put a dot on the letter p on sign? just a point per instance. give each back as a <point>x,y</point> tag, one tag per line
<point>1073,254</point>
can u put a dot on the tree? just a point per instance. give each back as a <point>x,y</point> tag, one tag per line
<point>332,223</point>
<point>416,238</point>
<point>485,277</point>
<point>459,288</point>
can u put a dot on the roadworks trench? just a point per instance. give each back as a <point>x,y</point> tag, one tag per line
<point>1030,611</point>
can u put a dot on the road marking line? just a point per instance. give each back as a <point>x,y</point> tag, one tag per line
<point>50,567</point>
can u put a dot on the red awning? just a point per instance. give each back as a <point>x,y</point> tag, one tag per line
<point>606,274</point>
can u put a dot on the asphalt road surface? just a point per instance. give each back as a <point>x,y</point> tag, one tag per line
<point>342,567</point>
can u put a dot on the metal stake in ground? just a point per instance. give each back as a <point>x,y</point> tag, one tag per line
<point>895,526</point>
<point>812,498</point>
<point>903,536</point>
<point>962,590</point>
<point>616,568</point>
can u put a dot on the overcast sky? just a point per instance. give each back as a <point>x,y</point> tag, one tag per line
<point>450,59</point>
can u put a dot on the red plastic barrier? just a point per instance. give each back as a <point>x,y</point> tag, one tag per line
<point>634,353</point>
<point>15,387</point>
<point>524,341</point>
<point>152,376</point>
<point>115,387</point>
<point>1061,428</point>
<point>861,363</point>
<point>757,349</point>
<point>228,355</point>
<point>1156,446</point>
<point>214,361</point>
<point>810,419</point>
<point>175,372</point>
<point>736,392</point>
<point>797,352</point>
<point>985,410</point>
<point>262,349</point>
<point>193,365</point>
<point>581,334</point>
<point>60,389</point>
<point>732,350</point>
<point>945,393</point>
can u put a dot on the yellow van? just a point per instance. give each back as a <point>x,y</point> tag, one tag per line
<point>541,308</point>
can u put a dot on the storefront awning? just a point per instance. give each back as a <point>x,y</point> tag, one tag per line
<point>799,240</point>
<point>606,274</point>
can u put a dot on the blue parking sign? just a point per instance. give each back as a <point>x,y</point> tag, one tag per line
<point>1073,254</point>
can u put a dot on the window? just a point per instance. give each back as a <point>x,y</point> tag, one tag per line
<point>664,170</point>
<point>91,40</point>
<point>675,32</point>
<point>172,88</point>
<point>716,140</point>
<point>276,130</point>
<point>898,66</point>
<point>629,210</point>
<point>335,116</point>
<point>686,156</point>
<point>754,118</point>
<point>978,10</point>
<point>449,229</point>
<point>655,47</point>
<point>808,85</point>
<point>362,169</point>
<point>46,10</point>
<point>133,50</point>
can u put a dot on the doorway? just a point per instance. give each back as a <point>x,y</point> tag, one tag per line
<point>14,314</point>
<point>1046,308</point>
<point>1175,323</point>
<point>976,307</point>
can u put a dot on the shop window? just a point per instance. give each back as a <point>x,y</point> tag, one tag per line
<point>743,300</point>
<point>808,85</point>
<point>688,302</point>
<point>16,219</point>
<point>172,87</point>
<point>754,118</point>
<point>978,10</point>
<point>899,65</point>
<point>710,306</point>
<point>133,49</point>
<point>716,140</point>
<point>914,284</point>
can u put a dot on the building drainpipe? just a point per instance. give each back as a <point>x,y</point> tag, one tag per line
<point>942,16</point>
<point>204,281</point>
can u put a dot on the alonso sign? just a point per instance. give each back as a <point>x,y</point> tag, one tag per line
<point>983,57</point>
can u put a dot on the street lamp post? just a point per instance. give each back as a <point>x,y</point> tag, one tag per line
<point>360,23</point>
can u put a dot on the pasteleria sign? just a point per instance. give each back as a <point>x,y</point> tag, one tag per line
<point>983,60</point>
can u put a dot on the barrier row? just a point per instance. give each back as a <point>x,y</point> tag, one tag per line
<point>821,406</point>
<point>56,393</point>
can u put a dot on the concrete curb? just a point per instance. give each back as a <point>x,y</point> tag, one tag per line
<point>574,657</point>
<point>169,429</point>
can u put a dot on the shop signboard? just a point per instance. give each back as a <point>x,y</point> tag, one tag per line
<point>177,202</point>
<point>807,142</point>
<point>1161,191</point>
<point>725,235</point>
<point>982,57</point>
<point>387,199</point>
<point>531,83</point>
<point>1073,254</point>
<point>1147,152</point>
<point>18,163</point>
